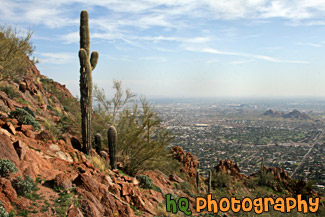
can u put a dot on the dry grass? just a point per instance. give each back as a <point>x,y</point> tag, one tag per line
<point>99,163</point>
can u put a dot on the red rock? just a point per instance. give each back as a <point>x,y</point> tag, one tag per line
<point>189,161</point>
<point>140,204</point>
<point>25,127</point>
<point>91,206</point>
<point>7,149</point>
<point>63,180</point>
<point>127,189</point>
<point>10,127</point>
<point>20,148</point>
<point>74,212</point>
<point>135,181</point>
<point>175,178</point>
<point>44,136</point>
<point>13,121</point>
<point>30,134</point>
<point>8,194</point>
<point>3,116</point>
<point>156,196</point>
<point>2,123</point>
<point>61,142</point>
<point>229,167</point>
<point>9,102</point>
<point>116,171</point>
<point>127,178</point>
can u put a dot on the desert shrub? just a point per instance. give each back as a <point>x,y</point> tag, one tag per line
<point>147,183</point>
<point>4,109</point>
<point>220,180</point>
<point>3,211</point>
<point>16,48</point>
<point>265,178</point>
<point>99,163</point>
<point>27,109</point>
<point>66,199</point>
<point>141,143</point>
<point>24,117</point>
<point>71,124</point>
<point>10,91</point>
<point>6,167</point>
<point>24,186</point>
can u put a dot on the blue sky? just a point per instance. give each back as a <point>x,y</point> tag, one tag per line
<point>178,48</point>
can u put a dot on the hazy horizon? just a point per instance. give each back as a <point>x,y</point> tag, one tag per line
<point>183,49</point>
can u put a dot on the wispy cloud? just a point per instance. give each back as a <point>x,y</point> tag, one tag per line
<point>242,61</point>
<point>169,14</point>
<point>56,58</point>
<point>240,54</point>
<point>310,44</point>
<point>154,58</point>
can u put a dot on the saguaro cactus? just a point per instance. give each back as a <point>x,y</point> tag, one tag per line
<point>209,182</point>
<point>98,142</point>
<point>86,67</point>
<point>198,180</point>
<point>112,139</point>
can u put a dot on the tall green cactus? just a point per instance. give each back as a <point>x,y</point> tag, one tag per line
<point>86,67</point>
<point>209,182</point>
<point>98,142</point>
<point>198,180</point>
<point>112,139</point>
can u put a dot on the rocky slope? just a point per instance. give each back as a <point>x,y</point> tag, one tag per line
<point>47,148</point>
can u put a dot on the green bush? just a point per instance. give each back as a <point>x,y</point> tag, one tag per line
<point>141,143</point>
<point>265,178</point>
<point>6,167</point>
<point>24,117</point>
<point>27,109</point>
<point>16,48</point>
<point>3,211</point>
<point>10,91</point>
<point>147,183</point>
<point>24,186</point>
<point>220,180</point>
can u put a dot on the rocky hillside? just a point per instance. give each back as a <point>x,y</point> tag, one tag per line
<point>39,133</point>
<point>44,171</point>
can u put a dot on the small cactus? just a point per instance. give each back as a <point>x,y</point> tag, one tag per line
<point>98,142</point>
<point>209,182</point>
<point>87,65</point>
<point>197,180</point>
<point>112,139</point>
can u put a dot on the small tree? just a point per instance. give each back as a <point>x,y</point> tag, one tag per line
<point>141,142</point>
<point>16,48</point>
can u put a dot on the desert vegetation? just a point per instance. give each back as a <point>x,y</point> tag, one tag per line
<point>15,53</point>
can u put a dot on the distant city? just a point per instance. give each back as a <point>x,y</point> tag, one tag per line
<point>286,133</point>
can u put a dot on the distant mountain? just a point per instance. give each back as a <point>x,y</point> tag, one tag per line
<point>295,114</point>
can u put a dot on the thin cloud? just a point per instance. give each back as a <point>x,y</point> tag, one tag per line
<point>310,44</point>
<point>242,61</point>
<point>248,55</point>
<point>56,58</point>
<point>154,58</point>
<point>169,14</point>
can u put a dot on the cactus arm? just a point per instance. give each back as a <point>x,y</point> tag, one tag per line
<point>94,59</point>
<point>83,57</point>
